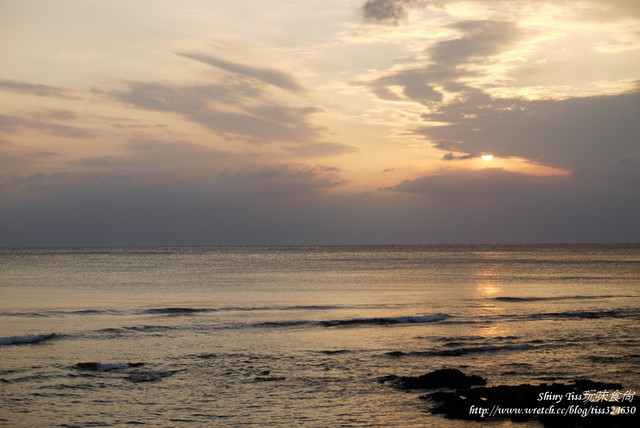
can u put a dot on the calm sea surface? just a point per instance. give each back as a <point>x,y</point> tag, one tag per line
<point>300,336</point>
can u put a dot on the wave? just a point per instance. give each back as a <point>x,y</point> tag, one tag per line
<point>169,311</point>
<point>123,370</point>
<point>335,352</point>
<point>26,340</point>
<point>544,299</point>
<point>462,351</point>
<point>386,321</point>
<point>176,311</point>
<point>359,321</point>
<point>633,313</point>
<point>612,313</point>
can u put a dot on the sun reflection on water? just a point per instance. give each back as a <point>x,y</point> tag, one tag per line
<point>487,287</point>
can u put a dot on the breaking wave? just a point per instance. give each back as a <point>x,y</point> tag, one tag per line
<point>26,340</point>
<point>360,321</point>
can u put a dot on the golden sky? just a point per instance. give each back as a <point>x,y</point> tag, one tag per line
<point>337,121</point>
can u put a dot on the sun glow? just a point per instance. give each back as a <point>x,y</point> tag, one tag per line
<point>486,157</point>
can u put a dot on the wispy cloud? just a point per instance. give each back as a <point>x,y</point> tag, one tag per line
<point>270,76</point>
<point>232,108</point>
<point>322,149</point>
<point>36,89</point>
<point>11,124</point>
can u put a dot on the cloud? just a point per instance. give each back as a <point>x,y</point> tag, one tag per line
<point>176,98</point>
<point>494,183</point>
<point>395,11</point>
<point>449,63</point>
<point>322,149</point>
<point>580,133</point>
<point>167,163</point>
<point>16,161</point>
<point>231,108</point>
<point>11,124</point>
<point>57,114</point>
<point>494,205</point>
<point>34,89</point>
<point>270,76</point>
<point>287,204</point>
<point>451,156</point>
<point>388,11</point>
<point>481,40</point>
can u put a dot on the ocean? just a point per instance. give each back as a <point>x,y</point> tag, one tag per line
<point>302,335</point>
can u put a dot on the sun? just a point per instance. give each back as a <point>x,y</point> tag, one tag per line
<point>486,157</point>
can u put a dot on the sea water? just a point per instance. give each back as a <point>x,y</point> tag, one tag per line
<point>301,335</point>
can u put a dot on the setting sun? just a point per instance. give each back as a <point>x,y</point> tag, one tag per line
<point>486,157</point>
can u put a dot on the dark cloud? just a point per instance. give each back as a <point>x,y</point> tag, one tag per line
<point>480,40</point>
<point>258,128</point>
<point>34,89</point>
<point>451,156</point>
<point>270,76</point>
<point>176,98</point>
<point>161,192</point>
<point>495,205</point>
<point>15,160</point>
<point>388,11</point>
<point>11,124</point>
<point>282,181</point>
<point>395,11</point>
<point>238,107</point>
<point>494,183</point>
<point>449,63</point>
<point>583,133</point>
<point>165,163</point>
<point>481,206</point>
<point>98,162</point>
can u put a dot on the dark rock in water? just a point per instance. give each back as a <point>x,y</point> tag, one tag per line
<point>389,378</point>
<point>555,405</point>
<point>100,367</point>
<point>443,378</point>
<point>269,378</point>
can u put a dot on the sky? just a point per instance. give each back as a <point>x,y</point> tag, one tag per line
<point>206,122</point>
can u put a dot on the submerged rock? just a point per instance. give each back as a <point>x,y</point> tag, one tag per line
<point>269,378</point>
<point>555,405</point>
<point>105,367</point>
<point>579,403</point>
<point>443,378</point>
